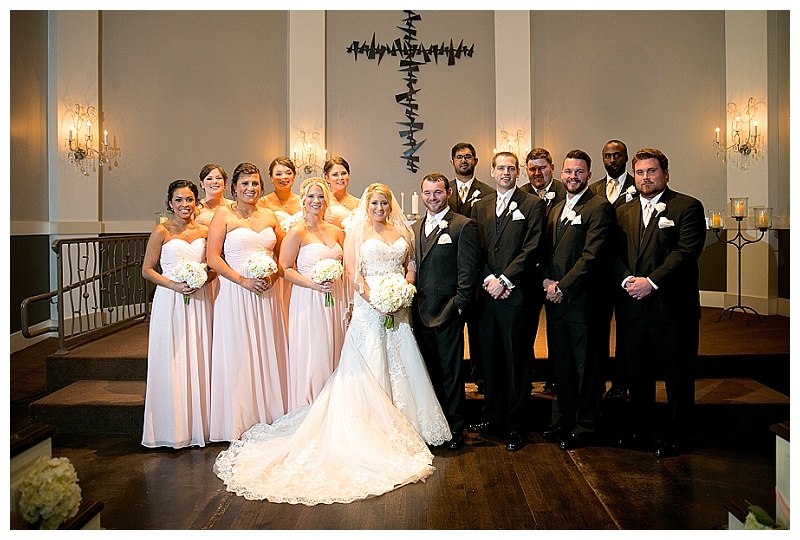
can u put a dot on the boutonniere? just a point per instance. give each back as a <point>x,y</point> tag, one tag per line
<point>629,193</point>
<point>660,207</point>
<point>512,206</point>
<point>571,215</point>
<point>475,195</point>
<point>550,195</point>
<point>443,224</point>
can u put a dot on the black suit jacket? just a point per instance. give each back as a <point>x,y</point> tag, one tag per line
<point>599,188</point>
<point>516,248</point>
<point>448,270</point>
<point>578,254</point>
<point>556,188</point>
<point>667,252</point>
<point>477,191</point>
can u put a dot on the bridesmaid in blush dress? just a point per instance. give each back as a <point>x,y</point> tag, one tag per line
<point>178,351</point>
<point>316,331</point>
<point>248,376</point>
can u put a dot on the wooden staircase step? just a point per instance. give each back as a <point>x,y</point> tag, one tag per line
<point>94,406</point>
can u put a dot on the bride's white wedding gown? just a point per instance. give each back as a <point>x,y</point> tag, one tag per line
<point>367,431</point>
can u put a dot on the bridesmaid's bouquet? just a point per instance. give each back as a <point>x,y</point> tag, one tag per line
<point>192,273</point>
<point>49,494</point>
<point>327,270</point>
<point>260,265</point>
<point>390,293</point>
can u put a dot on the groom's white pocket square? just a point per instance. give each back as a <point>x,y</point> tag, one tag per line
<point>663,223</point>
<point>445,239</point>
<point>517,215</point>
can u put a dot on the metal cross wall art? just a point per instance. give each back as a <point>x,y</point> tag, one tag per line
<point>412,56</point>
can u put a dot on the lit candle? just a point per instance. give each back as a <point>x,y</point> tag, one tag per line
<point>738,208</point>
<point>717,139</point>
<point>403,202</point>
<point>105,138</point>
<point>763,219</point>
<point>415,203</point>
<point>716,221</point>
<point>89,131</point>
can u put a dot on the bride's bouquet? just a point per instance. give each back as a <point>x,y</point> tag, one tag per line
<point>327,270</point>
<point>260,265</point>
<point>390,293</point>
<point>192,273</point>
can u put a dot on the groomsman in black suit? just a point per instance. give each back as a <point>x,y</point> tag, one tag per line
<point>447,254</point>
<point>511,223</point>
<point>466,191</point>
<point>539,169</point>
<point>618,187</point>
<point>578,230</point>
<point>659,239</point>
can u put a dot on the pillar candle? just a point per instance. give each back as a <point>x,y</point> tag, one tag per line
<point>403,202</point>
<point>716,221</point>
<point>415,203</point>
<point>763,220</point>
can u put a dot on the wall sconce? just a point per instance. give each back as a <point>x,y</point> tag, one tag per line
<point>744,138</point>
<point>82,151</point>
<point>507,144</point>
<point>309,152</point>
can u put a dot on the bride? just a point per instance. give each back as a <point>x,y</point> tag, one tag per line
<point>367,431</point>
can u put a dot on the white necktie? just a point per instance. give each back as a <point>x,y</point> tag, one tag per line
<point>611,190</point>
<point>462,193</point>
<point>648,213</point>
<point>430,223</point>
<point>501,205</point>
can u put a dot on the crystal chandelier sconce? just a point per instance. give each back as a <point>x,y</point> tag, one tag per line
<point>310,149</point>
<point>746,143</point>
<point>84,151</point>
<point>515,145</point>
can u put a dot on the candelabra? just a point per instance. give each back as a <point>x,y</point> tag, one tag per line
<point>744,137</point>
<point>309,151</point>
<point>763,220</point>
<point>82,152</point>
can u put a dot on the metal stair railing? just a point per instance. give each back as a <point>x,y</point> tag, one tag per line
<point>100,288</point>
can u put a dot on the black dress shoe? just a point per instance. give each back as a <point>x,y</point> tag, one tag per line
<point>480,427</point>
<point>573,441</point>
<point>514,441</point>
<point>615,393</point>
<point>457,441</point>
<point>554,433</point>
<point>670,449</point>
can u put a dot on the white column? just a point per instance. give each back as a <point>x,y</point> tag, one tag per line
<point>307,89</point>
<point>747,76</point>
<point>75,206</point>
<point>512,53</point>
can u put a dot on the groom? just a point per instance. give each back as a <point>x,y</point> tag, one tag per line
<point>447,253</point>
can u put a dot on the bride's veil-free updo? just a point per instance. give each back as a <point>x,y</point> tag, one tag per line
<point>360,227</point>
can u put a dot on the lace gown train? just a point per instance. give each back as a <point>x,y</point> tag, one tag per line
<point>366,433</point>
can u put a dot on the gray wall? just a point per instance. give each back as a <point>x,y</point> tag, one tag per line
<point>28,115</point>
<point>455,102</point>
<point>185,88</point>
<point>648,78</point>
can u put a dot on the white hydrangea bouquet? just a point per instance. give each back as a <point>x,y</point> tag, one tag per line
<point>390,293</point>
<point>260,265</point>
<point>192,273</point>
<point>326,270</point>
<point>49,493</point>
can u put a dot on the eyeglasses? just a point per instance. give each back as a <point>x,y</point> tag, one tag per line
<point>464,157</point>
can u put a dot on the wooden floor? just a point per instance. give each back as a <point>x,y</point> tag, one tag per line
<point>481,486</point>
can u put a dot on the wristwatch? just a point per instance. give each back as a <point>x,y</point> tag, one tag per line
<point>558,291</point>
<point>503,282</point>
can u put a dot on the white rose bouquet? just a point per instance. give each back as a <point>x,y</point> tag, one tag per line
<point>326,270</point>
<point>50,494</point>
<point>260,265</point>
<point>390,293</point>
<point>192,273</point>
